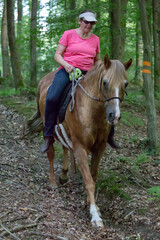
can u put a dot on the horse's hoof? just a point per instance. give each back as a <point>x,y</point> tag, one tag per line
<point>52,187</point>
<point>63,181</point>
<point>53,184</point>
<point>98,224</point>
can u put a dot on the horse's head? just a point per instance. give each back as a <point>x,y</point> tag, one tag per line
<point>113,84</point>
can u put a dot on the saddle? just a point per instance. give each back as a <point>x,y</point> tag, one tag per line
<point>76,74</point>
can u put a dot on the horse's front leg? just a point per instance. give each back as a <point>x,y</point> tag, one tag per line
<point>95,159</point>
<point>82,160</point>
<point>52,178</point>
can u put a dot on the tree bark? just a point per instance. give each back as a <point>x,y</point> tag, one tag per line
<point>115,15</point>
<point>148,85</point>
<point>138,79</point>
<point>20,14</point>
<point>123,27</point>
<point>156,29</point>
<point>33,44</point>
<point>18,82</point>
<point>4,44</point>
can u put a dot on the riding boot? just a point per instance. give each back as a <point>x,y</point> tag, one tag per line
<point>48,142</point>
<point>111,140</point>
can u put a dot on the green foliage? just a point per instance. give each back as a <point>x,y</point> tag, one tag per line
<point>157,100</point>
<point>22,91</point>
<point>131,121</point>
<point>112,185</point>
<point>133,139</point>
<point>136,97</point>
<point>155,192</point>
<point>8,92</point>
<point>22,106</point>
<point>123,159</point>
<point>142,158</point>
<point>58,150</point>
<point>61,17</point>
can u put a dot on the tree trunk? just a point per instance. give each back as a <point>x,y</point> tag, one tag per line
<point>115,14</point>
<point>123,26</point>
<point>4,44</point>
<point>156,29</point>
<point>138,79</point>
<point>33,44</point>
<point>72,4</point>
<point>148,85</point>
<point>18,82</point>
<point>20,13</point>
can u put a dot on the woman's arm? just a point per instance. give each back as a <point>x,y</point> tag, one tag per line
<point>59,59</point>
<point>97,58</point>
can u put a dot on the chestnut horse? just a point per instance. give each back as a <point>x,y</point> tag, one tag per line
<point>96,108</point>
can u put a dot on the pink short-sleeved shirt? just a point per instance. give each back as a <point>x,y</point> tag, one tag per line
<point>79,52</point>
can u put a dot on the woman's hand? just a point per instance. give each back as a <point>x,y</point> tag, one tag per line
<point>68,67</point>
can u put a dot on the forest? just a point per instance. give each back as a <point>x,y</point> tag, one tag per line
<point>128,187</point>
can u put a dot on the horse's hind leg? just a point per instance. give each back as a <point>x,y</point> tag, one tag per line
<point>52,178</point>
<point>63,178</point>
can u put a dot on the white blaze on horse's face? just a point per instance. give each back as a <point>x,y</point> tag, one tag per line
<point>114,95</point>
<point>113,106</point>
<point>117,107</point>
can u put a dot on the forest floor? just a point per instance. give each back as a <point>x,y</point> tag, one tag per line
<point>30,209</point>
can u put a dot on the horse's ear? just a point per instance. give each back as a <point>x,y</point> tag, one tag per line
<point>128,64</point>
<point>107,62</point>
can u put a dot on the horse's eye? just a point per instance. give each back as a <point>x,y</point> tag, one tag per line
<point>125,83</point>
<point>105,83</point>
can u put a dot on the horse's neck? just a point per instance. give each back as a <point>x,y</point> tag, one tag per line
<point>91,86</point>
<point>88,106</point>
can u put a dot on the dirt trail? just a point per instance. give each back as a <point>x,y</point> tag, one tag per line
<point>30,209</point>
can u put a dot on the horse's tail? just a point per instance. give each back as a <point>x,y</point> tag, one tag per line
<point>34,124</point>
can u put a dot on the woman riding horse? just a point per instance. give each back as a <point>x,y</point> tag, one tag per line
<point>77,48</point>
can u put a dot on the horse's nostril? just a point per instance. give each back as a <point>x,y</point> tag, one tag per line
<point>119,118</point>
<point>111,116</point>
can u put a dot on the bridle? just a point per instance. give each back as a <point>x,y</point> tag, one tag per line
<point>98,99</point>
<point>107,99</point>
<point>76,82</point>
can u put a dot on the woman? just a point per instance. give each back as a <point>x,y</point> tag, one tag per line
<point>77,48</point>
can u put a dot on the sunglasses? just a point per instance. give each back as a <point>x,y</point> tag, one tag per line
<point>86,22</point>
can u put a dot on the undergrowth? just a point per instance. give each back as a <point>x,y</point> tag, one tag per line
<point>111,184</point>
<point>154,192</point>
<point>22,91</point>
<point>23,100</point>
<point>130,120</point>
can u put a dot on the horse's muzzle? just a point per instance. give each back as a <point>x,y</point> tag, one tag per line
<point>112,117</point>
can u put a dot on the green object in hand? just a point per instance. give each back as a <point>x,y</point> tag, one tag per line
<point>76,73</point>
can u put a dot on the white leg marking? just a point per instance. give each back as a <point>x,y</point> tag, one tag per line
<point>94,214</point>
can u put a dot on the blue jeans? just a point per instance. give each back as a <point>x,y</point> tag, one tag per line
<point>54,94</point>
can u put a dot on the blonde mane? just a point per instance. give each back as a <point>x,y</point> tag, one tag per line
<point>115,74</point>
